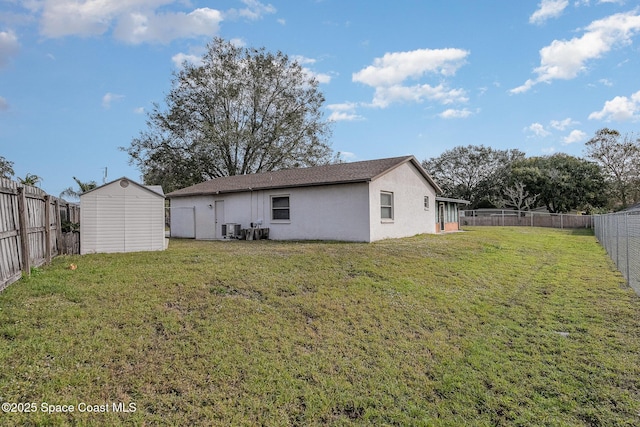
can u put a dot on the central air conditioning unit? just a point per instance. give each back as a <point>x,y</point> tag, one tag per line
<point>231,230</point>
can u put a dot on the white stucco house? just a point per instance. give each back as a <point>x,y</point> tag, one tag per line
<point>122,216</point>
<point>359,201</point>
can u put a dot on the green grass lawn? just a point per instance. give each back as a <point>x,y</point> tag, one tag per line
<point>494,326</point>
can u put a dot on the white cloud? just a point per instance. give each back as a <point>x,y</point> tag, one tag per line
<point>110,98</point>
<point>180,58</point>
<point>393,68</point>
<point>347,156</point>
<point>564,59</point>
<point>138,110</point>
<point>548,9</point>
<point>9,47</point>
<point>388,74</point>
<point>303,60</point>
<point>343,112</point>
<point>136,28</point>
<point>384,96</point>
<point>538,130</point>
<point>619,109</point>
<point>574,136</point>
<point>455,114</point>
<point>132,21</point>
<point>253,12</point>
<point>4,105</point>
<point>563,124</point>
<point>320,77</point>
<point>237,42</point>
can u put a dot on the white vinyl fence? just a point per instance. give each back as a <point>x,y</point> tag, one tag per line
<point>619,234</point>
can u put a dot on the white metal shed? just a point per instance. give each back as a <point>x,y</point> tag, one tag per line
<point>122,216</point>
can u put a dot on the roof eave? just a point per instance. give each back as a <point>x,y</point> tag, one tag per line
<point>264,188</point>
<point>458,201</point>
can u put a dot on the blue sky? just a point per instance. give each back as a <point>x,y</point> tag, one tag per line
<point>406,77</point>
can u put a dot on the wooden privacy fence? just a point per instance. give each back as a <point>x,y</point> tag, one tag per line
<point>34,228</point>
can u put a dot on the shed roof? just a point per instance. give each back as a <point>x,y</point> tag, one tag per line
<point>339,173</point>
<point>155,189</point>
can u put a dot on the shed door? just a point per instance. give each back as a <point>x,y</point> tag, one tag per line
<point>219,218</point>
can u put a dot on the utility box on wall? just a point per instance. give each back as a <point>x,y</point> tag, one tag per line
<point>122,216</point>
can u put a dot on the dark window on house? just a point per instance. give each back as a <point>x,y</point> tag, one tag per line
<point>386,205</point>
<point>426,203</point>
<point>280,207</point>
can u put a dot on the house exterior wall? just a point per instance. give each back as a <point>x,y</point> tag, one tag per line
<point>410,217</point>
<point>117,219</point>
<point>347,212</point>
<point>195,216</point>
<point>182,219</point>
<point>192,217</point>
<point>332,212</point>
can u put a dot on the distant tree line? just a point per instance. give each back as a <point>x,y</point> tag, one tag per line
<point>608,178</point>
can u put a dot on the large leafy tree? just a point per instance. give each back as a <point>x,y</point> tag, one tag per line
<point>241,111</point>
<point>6,168</point>
<point>619,158</point>
<point>475,172</point>
<point>561,182</point>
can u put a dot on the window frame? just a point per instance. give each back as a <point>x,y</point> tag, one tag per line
<point>281,208</point>
<point>427,204</point>
<point>384,207</point>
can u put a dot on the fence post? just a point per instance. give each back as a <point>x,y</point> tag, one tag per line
<point>24,231</point>
<point>617,244</point>
<point>58,226</point>
<point>47,228</point>
<point>626,230</point>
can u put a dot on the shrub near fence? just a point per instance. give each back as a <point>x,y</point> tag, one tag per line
<point>31,229</point>
<point>619,234</point>
<point>497,217</point>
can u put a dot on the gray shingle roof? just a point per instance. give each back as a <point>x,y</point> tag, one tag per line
<point>340,173</point>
